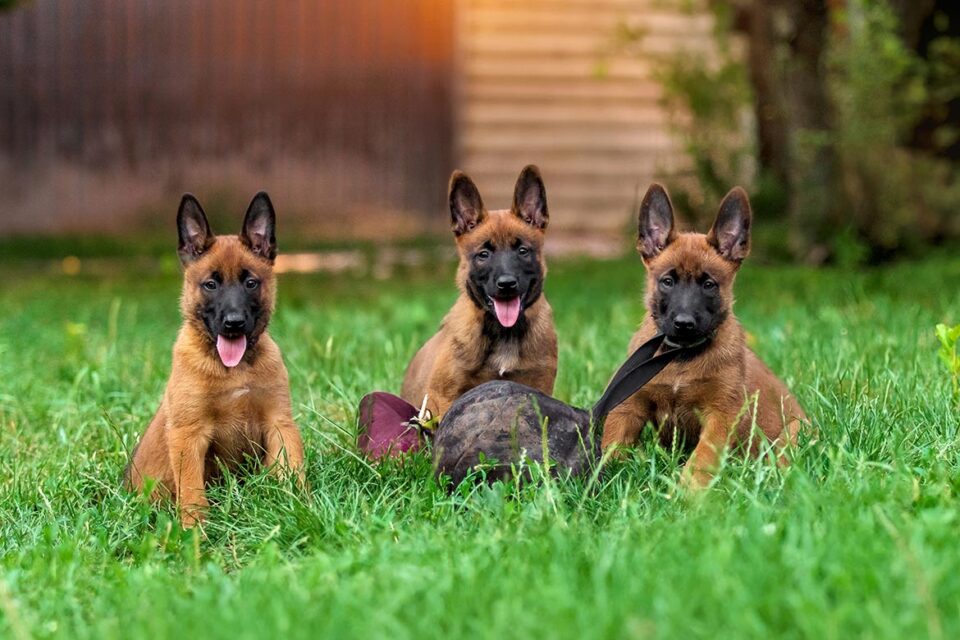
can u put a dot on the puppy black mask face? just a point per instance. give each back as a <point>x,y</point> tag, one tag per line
<point>689,307</point>
<point>229,282</point>
<point>505,279</point>
<point>690,275</point>
<point>502,266</point>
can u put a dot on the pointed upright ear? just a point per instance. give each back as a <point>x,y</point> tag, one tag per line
<point>193,229</point>
<point>730,234</point>
<point>258,227</point>
<point>466,206</point>
<point>656,229</point>
<point>530,198</point>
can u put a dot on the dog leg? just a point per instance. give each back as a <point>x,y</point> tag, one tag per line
<point>285,450</point>
<point>188,452</point>
<point>703,463</point>
<point>623,425</point>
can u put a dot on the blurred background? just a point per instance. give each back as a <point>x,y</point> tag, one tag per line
<point>842,117</point>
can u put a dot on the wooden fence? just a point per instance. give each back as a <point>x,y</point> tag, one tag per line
<point>551,82</point>
<point>352,112</point>
<point>109,109</point>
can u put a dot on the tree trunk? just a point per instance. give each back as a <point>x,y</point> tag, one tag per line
<point>813,189</point>
<point>788,40</point>
<point>771,116</point>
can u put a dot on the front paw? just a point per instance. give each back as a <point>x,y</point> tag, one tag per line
<point>695,480</point>
<point>285,472</point>
<point>191,516</point>
<point>300,476</point>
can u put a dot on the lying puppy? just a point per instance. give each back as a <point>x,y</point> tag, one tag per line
<point>228,398</point>
<point>708,399</point>
<point>501,326</point>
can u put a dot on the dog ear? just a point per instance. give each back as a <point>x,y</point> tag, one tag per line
<point>193,229</point>
<point>466,206</point>
<point>530,198</point>
<point>259,226</point>
<point>656,229</point>
<point>730,234</point>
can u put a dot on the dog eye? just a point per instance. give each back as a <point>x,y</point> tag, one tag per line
<point>251,283</point>
<point>709,284</point>
<point>210,285</point>
<point>523,251</point>
<point>666,282</point>
<point>483,255</point>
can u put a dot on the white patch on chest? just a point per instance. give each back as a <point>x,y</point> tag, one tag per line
<point>239,392</point>
<point>505,357</point>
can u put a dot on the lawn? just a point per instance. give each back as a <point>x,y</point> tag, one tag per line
<point>858,539</point>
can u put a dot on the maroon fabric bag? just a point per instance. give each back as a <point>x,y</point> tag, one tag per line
<point>385,426</point>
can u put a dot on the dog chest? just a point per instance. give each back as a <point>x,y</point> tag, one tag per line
<point>505,357</point>
<point>238,431</point>
<point>237,413</point>
<point>673,406</point>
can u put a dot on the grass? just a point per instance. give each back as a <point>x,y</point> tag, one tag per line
<point>857,539</point>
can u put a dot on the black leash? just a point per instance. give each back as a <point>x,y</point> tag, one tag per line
<point>642,365</point>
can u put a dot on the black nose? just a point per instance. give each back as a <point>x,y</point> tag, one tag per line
<point>233,321</point>
<point>507,284</point>
<point>684,323</point>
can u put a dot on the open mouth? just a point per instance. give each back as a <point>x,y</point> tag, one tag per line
<point>507,310</point>
<point>231,349</point>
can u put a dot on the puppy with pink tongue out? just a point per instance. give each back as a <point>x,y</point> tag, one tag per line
<point>508,311</point>
<point>228,398</point>
<point>231,350</point>
<point>501,326</point>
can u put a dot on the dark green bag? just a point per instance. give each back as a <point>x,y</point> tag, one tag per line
<point>496,427</point>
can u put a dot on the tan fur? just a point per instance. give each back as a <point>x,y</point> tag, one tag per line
<point>211,415</point>
<point>710,399</point>
<point>459,357</point>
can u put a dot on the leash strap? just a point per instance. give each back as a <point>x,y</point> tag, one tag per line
<point>642,365</point>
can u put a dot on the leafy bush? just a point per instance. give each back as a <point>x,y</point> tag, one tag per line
<point>881,196</point>
<point>709,100</point>
<point>949,338</point>
<point>896,198</point>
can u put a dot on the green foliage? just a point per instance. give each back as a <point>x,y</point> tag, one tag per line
<point>709,97</point>
<point>895,197</point>
<point>949,338</point>
<point>884,197</point>
<point>943,85</point>
<point>856,539</point>
<point>708,107</point>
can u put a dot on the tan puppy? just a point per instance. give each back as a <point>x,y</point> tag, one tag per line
<point>709,399</point>
<point>228,398</point>
<point>501,326</point>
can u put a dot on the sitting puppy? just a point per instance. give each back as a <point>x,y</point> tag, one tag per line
<point>501,326</point>
<point>710,397</point>
<point>228,398</point>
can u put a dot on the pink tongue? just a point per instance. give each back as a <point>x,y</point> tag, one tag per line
<point>231,350</point>
<point>508,311</point>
